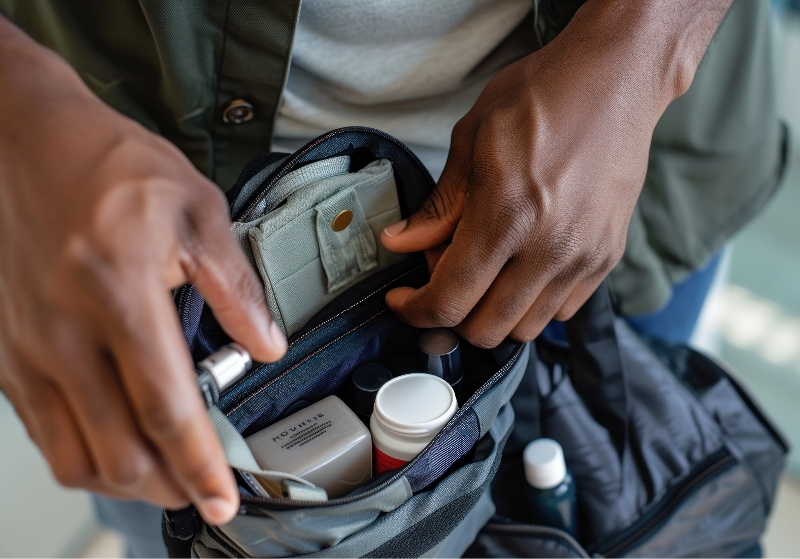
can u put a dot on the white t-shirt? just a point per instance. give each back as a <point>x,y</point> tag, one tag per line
<point>411,68</point>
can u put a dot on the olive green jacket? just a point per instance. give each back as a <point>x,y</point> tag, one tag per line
<point>175,65</point>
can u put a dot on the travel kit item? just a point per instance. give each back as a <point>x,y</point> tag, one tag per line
<point>550,490</point>
<point>325,443</point>
<point>440,355</point>
<point>366,380</point>
<point>668,454</point>
<point>410,410</point>
<point>220,370</point>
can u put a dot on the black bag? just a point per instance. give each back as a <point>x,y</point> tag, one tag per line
<point>670,456</point>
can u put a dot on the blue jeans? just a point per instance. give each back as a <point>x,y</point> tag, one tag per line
<point>140,523</point>
<point>676,321</point>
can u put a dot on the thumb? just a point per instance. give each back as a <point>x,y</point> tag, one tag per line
<point>435,222</point>
<point>221,272</point>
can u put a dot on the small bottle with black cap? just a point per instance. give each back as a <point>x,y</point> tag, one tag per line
<point>440,355</point>
<point>366,380</point>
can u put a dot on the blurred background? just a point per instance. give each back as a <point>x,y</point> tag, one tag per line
<point>751,321</point>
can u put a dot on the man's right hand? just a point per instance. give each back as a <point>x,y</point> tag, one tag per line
<point>99,220</point>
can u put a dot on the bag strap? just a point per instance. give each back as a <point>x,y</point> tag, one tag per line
<point>597,370</point>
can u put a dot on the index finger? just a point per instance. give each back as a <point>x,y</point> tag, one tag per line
<point>157,372</point>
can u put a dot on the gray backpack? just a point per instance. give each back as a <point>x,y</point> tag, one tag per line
<point>669,455</point>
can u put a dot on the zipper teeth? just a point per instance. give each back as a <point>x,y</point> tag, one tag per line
<point>672,504</point>
<point>182,304</point>
<point>537,529</point>
<point>287,167</point>
<point>304,360</point>
<point>318,326</point>
<point>354,305</point>
<point>344,500</point>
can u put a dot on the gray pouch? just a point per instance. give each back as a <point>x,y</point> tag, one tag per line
<point>324,238</point>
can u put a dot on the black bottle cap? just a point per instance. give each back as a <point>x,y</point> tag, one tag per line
<point>367,379</point>
<point>440,355</point>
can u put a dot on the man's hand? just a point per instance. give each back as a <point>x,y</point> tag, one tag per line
<point>99,220</point>
<point>545,170</point>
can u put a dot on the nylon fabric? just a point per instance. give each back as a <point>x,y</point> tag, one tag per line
<point>346,254</point>
<point>653,436</point>
<point>300,276</point>
<point>282,533</point>
<point>502,544</point>
<point>727,511</point>
<point>294,181</point>
<point>487,406</point>
<point>281,189</point>
<point>390,531</point>
<point>748,438</point>
<point>691,473</point>
<point>249,188</point>
<point>667,435</point>
<point>430,516</point>
<point>457,542</point>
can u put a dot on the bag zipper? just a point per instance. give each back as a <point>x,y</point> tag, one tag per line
<point>725,461</point>
<point>289,165</point>
<point>537,530</point>
<point>283,503</point>
<point>275,379</point>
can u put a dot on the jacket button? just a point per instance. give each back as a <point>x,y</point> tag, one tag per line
<point>237,112</point>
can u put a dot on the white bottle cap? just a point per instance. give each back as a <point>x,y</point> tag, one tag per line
<point>417,404</point>
<point>544,463</point>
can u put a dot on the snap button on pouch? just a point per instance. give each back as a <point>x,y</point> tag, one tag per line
<point>237,112</point>
<point>342,220</point>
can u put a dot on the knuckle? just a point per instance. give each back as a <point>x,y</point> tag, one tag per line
<point>436,206</point>
<point>616,254</point>
<point>200,473</point>
<point>128,472</point>
<point>446,313</point>
<point>523,336</point>
<point>484,339</point>
<point>210,201</point>
<point>526,333</point>
<point>563,247</point>
<point>566,312</point>
<point>72,473</point>
<point>161,422</point>
<point>246,288</point>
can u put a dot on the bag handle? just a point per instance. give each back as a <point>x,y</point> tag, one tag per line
<point>597,370</point>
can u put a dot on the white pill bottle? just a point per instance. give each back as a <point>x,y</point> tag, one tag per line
<point>409,411</point>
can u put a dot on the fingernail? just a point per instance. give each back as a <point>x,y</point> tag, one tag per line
<point>218,510</point>
<point>395,228</point>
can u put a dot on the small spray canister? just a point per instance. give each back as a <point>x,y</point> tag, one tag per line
<point>440,355</point>
<point>550,488</point>
<point>220,370</point>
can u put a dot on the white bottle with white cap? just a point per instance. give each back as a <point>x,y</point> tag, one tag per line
<point>409,411</point>
<point>550,488</point>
